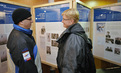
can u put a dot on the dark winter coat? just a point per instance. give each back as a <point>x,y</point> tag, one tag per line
<point>70,53</point>
<point>23,51</point>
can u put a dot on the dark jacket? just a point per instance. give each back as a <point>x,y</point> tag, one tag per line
<point>23,51</point>
<point>70,51</point>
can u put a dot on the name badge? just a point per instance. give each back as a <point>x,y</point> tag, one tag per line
<point>26,56</point>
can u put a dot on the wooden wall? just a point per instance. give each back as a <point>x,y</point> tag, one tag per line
<point>94,3</point>
<point>88,2</point>
<point>33,2</point>
<point>30,2</point>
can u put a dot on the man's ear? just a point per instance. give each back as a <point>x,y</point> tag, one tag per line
<point>21,22</point>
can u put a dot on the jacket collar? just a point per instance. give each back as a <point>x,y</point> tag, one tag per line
<point>75,28</point>
<point>27,31</point>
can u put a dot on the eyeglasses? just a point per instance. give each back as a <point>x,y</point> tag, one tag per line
<point>29,19</point>
<point>65,19</point>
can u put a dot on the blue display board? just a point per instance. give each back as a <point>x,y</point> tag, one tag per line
<point>106,15</point>
<point>7,10</point>
<point>50,13</point>
<point>83,12</point>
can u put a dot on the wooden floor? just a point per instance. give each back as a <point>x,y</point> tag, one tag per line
<point>3,67</point>
<point>111,70</point>
<point>46,69</point>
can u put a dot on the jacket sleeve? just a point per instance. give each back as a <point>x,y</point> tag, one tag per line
<point>23,57</point>
<point>73,54</point>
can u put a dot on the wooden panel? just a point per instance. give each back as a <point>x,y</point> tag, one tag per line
<point>30,2</point>
<point>98,2</point>
<point>14,3</point>
<point>58,0</point>
<point>88,2</point>
<point>45,68</point>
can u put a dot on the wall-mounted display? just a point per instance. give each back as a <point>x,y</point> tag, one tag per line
<point>107,36</point>
<point>50,13</point>
<point>6,12</point>
<point>6,25</point>
<point>84,17</point>
<point>48,28</point>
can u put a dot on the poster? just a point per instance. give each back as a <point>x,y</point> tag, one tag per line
<point>107,36</point>
<point>48,29</point>
<point>84,17</point>
<point>6,25</point>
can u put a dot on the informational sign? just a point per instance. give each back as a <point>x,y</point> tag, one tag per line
<point>50,13</point>
<point>48,29</point>
<point>6,25</point>
<point>6,12</point>
<point>84,15</point>
<point>107,33</point>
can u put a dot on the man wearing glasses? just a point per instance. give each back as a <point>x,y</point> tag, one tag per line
<point>21,44</point>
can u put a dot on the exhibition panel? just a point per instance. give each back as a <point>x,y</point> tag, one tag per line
<point>106,29</point>
<point>48,26</point>
<point>84,16</point>
<point>6,25</point>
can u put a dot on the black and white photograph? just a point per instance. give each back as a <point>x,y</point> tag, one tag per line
<point>54,43</point>
<point>118,40</point>
<point>48,37</point>
<point>108,38</point>
<point>54,36</point>
<point>48,50</point>
<point>3,39</point>
<point>117,51</point>
<point>43,30</point>
<point>109,49</point>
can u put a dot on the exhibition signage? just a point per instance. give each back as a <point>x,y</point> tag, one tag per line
<point>6,12</point>
<point>6,25</point>
<point>84,17</point>
<point>48,29</point>
<point>107,36</point>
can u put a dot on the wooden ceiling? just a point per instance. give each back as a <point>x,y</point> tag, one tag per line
<point>30,2</point>
<point>91,3</point>
<point>33,2</point>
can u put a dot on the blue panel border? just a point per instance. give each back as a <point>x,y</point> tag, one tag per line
<point>106,15</point>
<point>6,12</point>
<point>84,12</point>
<point>50,13</point>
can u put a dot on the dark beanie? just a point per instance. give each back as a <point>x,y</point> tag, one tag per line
<point>20,14</point>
